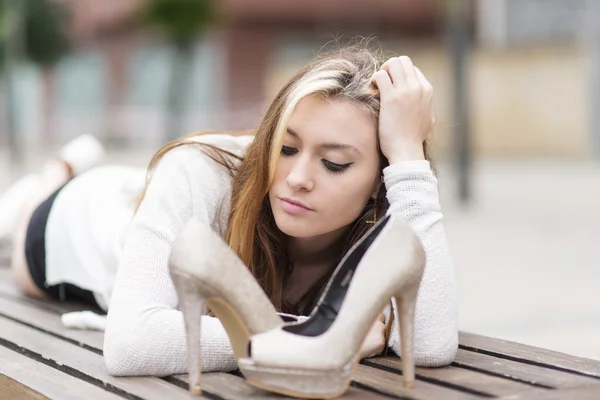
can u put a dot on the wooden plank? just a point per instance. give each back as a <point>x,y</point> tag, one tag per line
<point>364,377</point>
<point>528,373</point>
<point>48,321</point>
<point>227,386</point>
<point>219,384</point>
<point>529,368</point>
<point>591,392</point>
<point>359,394</point>
<point>31,379</point>
<point>12,389</point>
<point>232,387</point>
<point>82,363</point>
<point>463,379</point>
<point>392,384</point>
<point>529,354</point>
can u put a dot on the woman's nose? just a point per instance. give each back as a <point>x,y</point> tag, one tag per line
<point>300,176</point>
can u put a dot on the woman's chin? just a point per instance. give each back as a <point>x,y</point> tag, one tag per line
<point>293,226</point>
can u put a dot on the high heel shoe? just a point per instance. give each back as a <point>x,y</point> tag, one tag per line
<point>207,273</point>
<point>315,358</point>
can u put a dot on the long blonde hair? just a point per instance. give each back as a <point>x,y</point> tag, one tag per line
<point>251,229</point>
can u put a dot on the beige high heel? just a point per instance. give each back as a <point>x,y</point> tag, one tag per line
<point>315,358</point>
<point>207,273</point>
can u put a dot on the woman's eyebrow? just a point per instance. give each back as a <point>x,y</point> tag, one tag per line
<point>328,146</point>
<point>339,146</point>
<point>292,132</point>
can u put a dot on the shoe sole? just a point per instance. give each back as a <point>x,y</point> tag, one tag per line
<point>308,384</point>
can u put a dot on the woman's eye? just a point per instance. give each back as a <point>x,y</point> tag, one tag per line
<point>335,168</point>
<point>288,151</point>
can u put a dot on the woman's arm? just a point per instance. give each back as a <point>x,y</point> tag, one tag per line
<point>412,193</point>
<point>145,332</point>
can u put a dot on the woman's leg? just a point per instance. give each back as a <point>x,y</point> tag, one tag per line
<point>11,201</point>
<point>54,174</point>
<point>78,155</point>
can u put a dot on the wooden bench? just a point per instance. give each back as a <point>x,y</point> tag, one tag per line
<point>40,359</point>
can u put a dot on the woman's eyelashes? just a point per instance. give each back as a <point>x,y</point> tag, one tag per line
<point>331,167</point>
<point>335,168</point>
<point>288,151</point>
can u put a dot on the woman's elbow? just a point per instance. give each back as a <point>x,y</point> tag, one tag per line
<point>123,355</point>
<point>437,354</point>
<point>117,358</point>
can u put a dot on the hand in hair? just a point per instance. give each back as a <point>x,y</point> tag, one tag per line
<point>406,114</point>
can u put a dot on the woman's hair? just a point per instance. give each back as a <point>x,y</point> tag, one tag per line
<point>251,232</point>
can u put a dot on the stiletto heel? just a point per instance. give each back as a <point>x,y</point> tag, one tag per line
<point>206,273</point>
<point>193,307</point>
<point>315,358</point>
<point>405,304</point>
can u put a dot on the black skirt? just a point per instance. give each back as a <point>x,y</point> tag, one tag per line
<point>35,254</point>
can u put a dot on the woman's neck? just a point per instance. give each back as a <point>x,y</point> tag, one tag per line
<point>316,250</point>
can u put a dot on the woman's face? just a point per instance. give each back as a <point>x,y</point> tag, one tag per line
<point>329,166</point>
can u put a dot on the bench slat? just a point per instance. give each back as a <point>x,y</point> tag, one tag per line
<point>483,366</point>
<point>13,389</point>
<point>523,372</point>
<point>48,321</point>
<point>232,387</point>
<point>392,384</point>
<point>236,388</point>
<point>591,392</point>
<point>366,377</point>
<point>220,384</point>
<point>29,375</point>
<point>452,376</point>
<point>86,364</point>
<point>530,354</point>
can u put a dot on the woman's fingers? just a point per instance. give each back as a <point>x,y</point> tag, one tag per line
<point>383,81</point>
<point>410,74</point>
<point>406,114</point>
<point>423,82</point>
<point>395,68</point>
<point>427,91</point>
<point>402,72</point>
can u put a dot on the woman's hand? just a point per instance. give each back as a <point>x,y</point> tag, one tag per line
<point>406,114</point>
<point>374,343</point>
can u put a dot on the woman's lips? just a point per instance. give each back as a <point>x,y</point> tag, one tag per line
<point>293,208</point>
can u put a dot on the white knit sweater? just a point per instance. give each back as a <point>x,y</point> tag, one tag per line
<point>145,332</point>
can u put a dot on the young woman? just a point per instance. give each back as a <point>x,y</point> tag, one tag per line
<point>342,145</point>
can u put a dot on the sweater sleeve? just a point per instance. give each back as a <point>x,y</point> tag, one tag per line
<point>412,193</point>
<point>145,333</point>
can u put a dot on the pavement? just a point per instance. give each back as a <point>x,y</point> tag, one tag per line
<point>526,248</point>
<point>527,253</point>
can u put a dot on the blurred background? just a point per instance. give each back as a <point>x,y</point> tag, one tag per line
<point>517,102</point>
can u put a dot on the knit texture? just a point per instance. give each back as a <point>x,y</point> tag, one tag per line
<point>412,191</point>
<point>145,332</point>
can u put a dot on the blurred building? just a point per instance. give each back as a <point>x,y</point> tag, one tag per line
<point>527,72</point>
<point>125,67</point>
<point>537,78</point>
